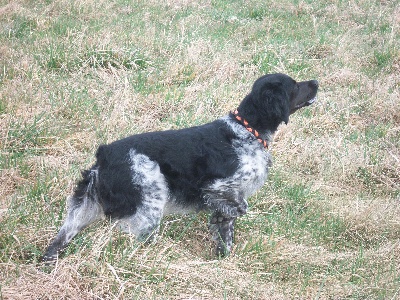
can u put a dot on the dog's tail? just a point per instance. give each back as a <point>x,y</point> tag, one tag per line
<point>87,187</point>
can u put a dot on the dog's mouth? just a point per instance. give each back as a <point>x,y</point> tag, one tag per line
<point>306,94</point>
<point>304,104</point>
<point>307,103</point>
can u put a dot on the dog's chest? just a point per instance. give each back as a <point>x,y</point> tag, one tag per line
<point>253,170</point>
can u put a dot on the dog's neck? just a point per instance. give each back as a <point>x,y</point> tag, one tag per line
<point>262,137</point>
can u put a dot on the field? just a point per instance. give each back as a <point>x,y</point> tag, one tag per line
<point>76,74</point>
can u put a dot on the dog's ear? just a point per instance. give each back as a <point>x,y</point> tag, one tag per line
<point>274,101</point>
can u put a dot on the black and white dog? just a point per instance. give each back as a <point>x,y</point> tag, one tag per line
<point>214,167</point>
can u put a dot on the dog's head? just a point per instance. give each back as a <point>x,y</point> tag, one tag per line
<point>274,97</point>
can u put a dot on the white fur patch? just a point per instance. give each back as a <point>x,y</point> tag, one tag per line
<point>154,193</point>
<point>253,163</point>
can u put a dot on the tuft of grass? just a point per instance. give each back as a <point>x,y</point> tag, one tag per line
<point>58,59</point>
<point>20,27</point>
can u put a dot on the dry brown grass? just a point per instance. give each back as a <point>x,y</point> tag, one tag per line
<point>74,75</point>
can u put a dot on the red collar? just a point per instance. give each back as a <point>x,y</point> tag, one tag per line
<point>249,128</point>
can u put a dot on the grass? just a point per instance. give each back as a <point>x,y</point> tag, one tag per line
<point>76,74</point>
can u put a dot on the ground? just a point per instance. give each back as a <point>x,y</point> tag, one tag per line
<point>76,74</point>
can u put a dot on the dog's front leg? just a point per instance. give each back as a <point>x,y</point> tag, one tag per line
<point>222,228</point>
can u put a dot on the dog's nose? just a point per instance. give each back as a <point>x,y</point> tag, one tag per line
<point>314,83</point>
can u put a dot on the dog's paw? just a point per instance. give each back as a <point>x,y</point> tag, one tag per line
<point>216,219</point>
<point>242,208</point>
<point>239,210</point>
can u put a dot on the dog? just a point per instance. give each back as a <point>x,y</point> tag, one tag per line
<point>214,167</point>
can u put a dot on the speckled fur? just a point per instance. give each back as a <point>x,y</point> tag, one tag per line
<point>215,167</point>
<point>227,197</point>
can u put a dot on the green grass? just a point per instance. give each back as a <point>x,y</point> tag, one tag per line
<point>74,75</point>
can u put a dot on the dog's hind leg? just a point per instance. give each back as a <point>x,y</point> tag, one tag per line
<point>147,176</point>
<point>222,229</point>
<point>83,210</point>
<point>144,224</point>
